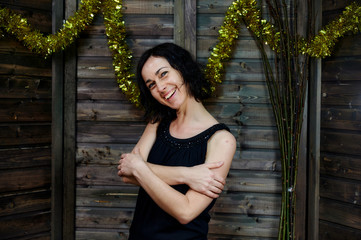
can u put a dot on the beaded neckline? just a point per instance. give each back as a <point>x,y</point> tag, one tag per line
<point>188,142</point>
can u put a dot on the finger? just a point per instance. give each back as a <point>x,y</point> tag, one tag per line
<point>211,194</point>
<point>218,185</point>
<point>220,179</point>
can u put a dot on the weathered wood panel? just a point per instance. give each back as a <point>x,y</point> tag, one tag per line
<point>25,202</point>
<point>330,231</point>
<point>341,165</point>
<point>22,226</point>
<point>25,130</point>
<point>340,181</point>
<point>339,211</point>
<point>24,158</point>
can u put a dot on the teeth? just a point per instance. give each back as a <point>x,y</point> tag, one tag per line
<point>169,94</point>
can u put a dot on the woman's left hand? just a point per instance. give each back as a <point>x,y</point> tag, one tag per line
<point>130,162</point>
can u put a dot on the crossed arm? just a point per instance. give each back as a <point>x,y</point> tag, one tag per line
<point>156,180</point>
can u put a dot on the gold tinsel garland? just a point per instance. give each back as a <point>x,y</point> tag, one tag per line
<point>122,56</point>
<point>248,11</point>
<point>240,10</point>
<point>46,45</point>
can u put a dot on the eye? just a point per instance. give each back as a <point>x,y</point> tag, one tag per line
<point>151,85</point>
<point>163,73</point>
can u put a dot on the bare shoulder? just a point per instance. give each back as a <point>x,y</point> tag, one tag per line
<point>223,140</point>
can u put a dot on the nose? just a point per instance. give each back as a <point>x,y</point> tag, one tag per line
<point>160,86</point>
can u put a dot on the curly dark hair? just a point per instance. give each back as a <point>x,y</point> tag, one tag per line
<point>182,61</point>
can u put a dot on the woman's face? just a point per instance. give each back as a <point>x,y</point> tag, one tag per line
<point>164,82</point>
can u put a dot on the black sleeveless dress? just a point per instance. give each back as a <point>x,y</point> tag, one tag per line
<point>150,222</point>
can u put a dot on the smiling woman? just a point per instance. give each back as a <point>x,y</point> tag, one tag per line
<point>178,161</point>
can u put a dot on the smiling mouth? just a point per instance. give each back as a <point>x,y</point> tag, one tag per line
<point>169,95</point>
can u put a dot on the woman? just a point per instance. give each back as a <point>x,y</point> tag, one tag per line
<point>184,154</point>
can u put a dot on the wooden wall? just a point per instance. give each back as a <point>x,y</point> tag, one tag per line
<point>109,125</point>
<point>340,183</point>
<point>25,131</point>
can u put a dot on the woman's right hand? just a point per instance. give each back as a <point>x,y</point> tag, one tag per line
<point>202,179</point>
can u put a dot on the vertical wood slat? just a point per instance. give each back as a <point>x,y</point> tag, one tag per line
<point>179,23</point>
<point>57,129</point>
<point>69,132</point>
<point>301,185</point>
<point>190,30</point>
<point>314,136</point>
<point>185,24</point>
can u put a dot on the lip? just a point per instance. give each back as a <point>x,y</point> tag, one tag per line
<point>169,94</point>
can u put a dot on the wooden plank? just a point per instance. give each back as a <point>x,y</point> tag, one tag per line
<point>22,135</point>
<point>329,5</point>
<point>69,136</point>
<point>24,179</point>
<point>342,213</point>
<point>179,23</point>
<point>250,204</point>
<point>259,182</point>
<point>25,110</point>
<point>109,133</point>
<point>25,202</point>
<point>57,128</point>
<point>102,154</point>
<point>149,26</point>
<point>23,158</point>
<point>21,226</point>
<point>19,65</point>
<point>241,225</point>
<point>119,234</point>
<point>339,70</point>
<point>99,89</point>
<point>120,197</point>
<point>330,231</point>
<point>20,87</point>
<point>341,94</point>
<point>341,118</point>
<point>103,218</point>
<point>314,134</point>
<point>343,190</point>
<point>95,175</point>
<point>244,48</point>
<point>341,166</point>
<point>341,142</point>
<point>241,93</point>
<point>210,24</point>
<point>148,7</point>
<point>39,5</point>
<point>108,111</point>
<point>190,25</point>
<point>213,6</point>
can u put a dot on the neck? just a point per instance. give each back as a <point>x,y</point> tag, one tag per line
<point>191,112</point>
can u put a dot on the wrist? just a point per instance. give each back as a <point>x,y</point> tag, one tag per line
<point>185,175</point>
